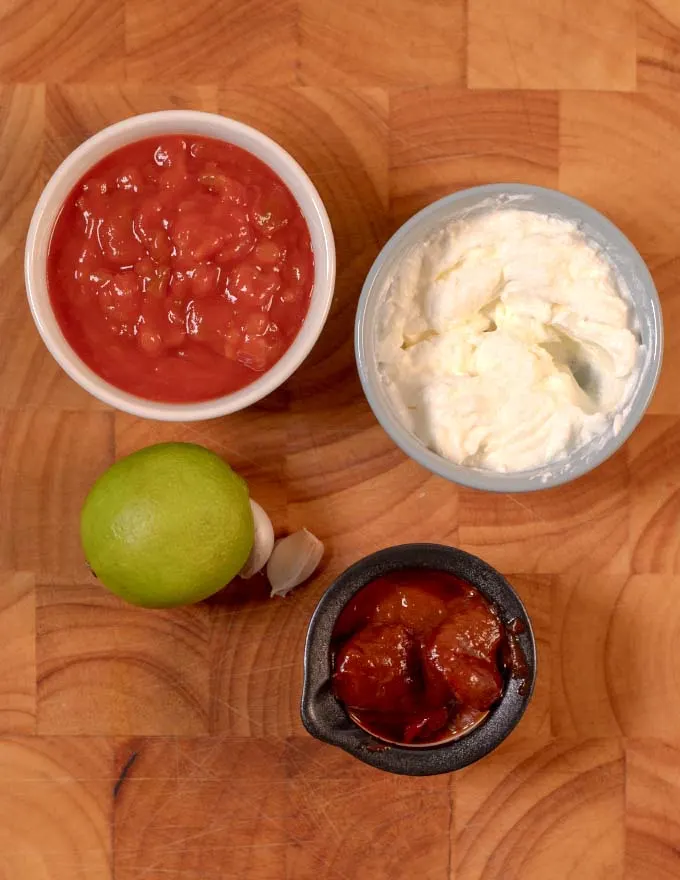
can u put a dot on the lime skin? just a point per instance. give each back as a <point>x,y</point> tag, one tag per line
<point>168,525</point>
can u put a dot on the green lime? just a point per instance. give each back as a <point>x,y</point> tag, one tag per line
<point>168,525</point>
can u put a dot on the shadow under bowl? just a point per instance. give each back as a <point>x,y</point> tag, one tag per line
<point>325,717</point>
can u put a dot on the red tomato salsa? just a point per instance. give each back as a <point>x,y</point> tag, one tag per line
<point>419,657</point>
<point>180,268</point>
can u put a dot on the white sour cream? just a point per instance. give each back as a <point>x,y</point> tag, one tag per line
<point>504,342</point>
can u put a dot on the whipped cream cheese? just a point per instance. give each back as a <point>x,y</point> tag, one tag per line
<point>504,341</point>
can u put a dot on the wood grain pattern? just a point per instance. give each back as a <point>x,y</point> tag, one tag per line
<point>106,668</point>
<point>621,638</point>
<point>658,44</point>
<point>603,137</point>
<point>377,41</point>
<point>533,810</point>
<point>209,42</point>
<point>443,139</point>
<point>41,492</point>
<point>17,653</point>
<point>144,745</point>
<point>583,525</point>
<point>56,807</point>
<point>653,452</point>
<point>533,44</point>
<point>62,42</point>
<point>652,781</point>
<point>275,808</point>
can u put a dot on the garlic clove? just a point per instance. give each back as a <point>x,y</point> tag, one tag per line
<point>293,560</point>
<point>263,542</point>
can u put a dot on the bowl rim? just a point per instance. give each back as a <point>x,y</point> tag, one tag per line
<point>326,719</point>
<point>140,127</point>
<point>477,478</point>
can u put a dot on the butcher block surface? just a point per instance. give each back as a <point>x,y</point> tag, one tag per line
<point>167,745</point>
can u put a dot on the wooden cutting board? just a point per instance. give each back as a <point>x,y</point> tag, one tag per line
<point>167,745</point>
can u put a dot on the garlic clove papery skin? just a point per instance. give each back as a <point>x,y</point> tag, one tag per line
<point>293,560</point>
<point>263,542</point>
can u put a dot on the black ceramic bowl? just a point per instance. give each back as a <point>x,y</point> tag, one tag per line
<point>327,719</point>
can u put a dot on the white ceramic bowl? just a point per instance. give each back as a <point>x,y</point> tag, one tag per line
<point>137,128</point>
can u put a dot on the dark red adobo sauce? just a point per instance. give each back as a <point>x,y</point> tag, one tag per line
<point>420,657</point>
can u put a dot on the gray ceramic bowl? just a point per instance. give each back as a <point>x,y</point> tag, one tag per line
<point>327,719</point>
<point>627,265</point>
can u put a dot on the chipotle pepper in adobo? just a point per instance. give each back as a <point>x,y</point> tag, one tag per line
<point>419,657</point>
